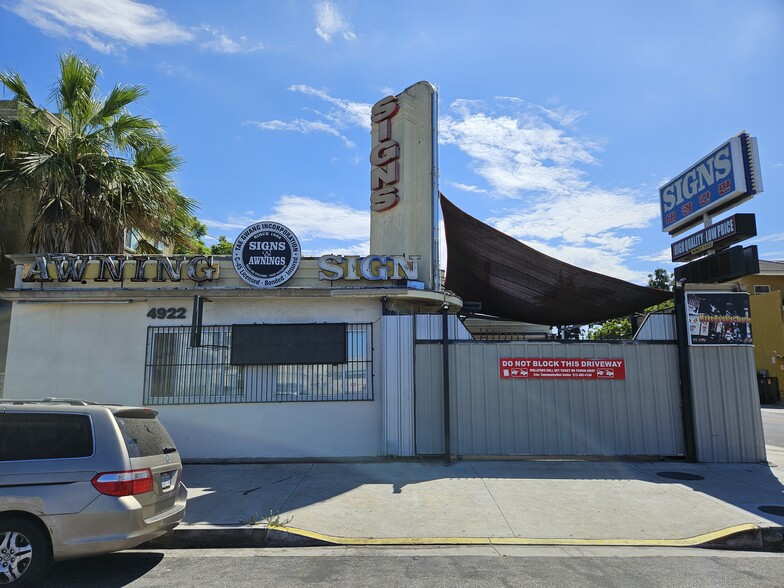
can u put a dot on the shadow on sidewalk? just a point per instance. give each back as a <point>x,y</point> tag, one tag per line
<point>246,494</point>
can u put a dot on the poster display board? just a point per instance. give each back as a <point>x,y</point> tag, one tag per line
<point>719,318</point>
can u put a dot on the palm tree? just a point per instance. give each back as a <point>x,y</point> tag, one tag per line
<point>93,169</point>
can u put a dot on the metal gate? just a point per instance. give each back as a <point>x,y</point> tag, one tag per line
<point>490,416</point>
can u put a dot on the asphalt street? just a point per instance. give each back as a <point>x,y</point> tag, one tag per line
<point>432,567</point>
<point>436,566</point>
<point>773,423</point>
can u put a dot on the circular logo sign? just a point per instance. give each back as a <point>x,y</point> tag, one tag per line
<point>266,254</point>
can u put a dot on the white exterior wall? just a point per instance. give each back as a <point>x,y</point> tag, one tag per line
<point>96,351</point>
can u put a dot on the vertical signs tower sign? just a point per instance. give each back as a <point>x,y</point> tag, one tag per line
<point>404,178</point>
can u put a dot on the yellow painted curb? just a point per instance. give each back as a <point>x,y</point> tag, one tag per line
<point>685,542</point>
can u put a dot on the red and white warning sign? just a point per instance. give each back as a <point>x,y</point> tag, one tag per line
<point>583,369</point>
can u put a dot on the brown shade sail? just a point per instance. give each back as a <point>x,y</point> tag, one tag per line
<point>514,281</point>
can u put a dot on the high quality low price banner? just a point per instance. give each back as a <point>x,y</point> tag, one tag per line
<point>561,368</point>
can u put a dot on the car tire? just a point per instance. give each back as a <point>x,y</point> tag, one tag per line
<point>25,552</point>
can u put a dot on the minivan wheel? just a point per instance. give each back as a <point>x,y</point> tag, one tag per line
<point>25,553</point>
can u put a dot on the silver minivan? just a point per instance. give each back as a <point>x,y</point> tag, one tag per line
<point>80,479</point>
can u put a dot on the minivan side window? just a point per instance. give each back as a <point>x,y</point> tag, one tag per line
<point>25,436</point>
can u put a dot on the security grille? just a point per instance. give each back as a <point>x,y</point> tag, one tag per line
<point>178,373</point>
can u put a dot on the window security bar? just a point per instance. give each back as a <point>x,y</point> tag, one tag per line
<point>177,373</point>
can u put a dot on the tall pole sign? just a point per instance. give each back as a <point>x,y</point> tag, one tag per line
<point>726,177</point>
<point>404,178</point>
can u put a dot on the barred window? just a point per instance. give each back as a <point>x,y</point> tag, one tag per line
<point>176,372</point>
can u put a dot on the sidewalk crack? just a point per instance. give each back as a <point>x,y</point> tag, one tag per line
<point>503,516</point>
<point>305,475</point>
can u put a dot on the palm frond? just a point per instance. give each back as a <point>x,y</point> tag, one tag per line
<point>92,169</point>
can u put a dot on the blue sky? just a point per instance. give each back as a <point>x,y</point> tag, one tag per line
<point>558,120</point>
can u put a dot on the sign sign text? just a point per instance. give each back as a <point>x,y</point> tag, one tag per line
<point>724,233</point>
<point>726,177</point>
<point>562,368</point>
<point>266,254</point>
<point>384,157</point>
<point>117,268</point>
<point>371,267</point>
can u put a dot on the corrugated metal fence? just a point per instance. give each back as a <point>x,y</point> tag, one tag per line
<point>728,421</point>
<point>638,416</point>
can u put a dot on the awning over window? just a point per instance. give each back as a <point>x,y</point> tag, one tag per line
<point>513,281</point>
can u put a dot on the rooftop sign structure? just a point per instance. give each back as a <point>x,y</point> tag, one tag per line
<point>404,178</point>
<point>726,177</point>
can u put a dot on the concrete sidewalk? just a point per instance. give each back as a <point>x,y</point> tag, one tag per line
<point>638,503</point>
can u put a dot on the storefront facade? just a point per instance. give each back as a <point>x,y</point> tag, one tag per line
<point>267,354</point>
<point>142,342</point>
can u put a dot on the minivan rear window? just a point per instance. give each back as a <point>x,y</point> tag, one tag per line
<point>25,436</point>
<point>144,437</point>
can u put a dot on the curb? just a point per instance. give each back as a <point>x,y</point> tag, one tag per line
<point>749,537</point>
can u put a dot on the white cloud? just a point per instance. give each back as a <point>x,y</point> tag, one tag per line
<point>330,22</point>
<point>347,114</point>
<point>517,153</point>
<point>361,249</point>
<point>560,115</point>
<point>301,126</point>
<point>663,256</point>
<point>527,157</point>
<point>578,216</point>
<point>768,238</point>
<point>105,25</point>
<point>180,71</point>
<point>309,218</point>
<point>220,42</point>
<point>468,188</point>
<point>110,26</point>
<point>599,260</point>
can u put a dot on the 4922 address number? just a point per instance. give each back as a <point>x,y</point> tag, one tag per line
<point>167,313</point>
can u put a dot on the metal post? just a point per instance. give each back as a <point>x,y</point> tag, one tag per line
<point>684,365</point>
<point>445,341</point>
<point>196,318</point>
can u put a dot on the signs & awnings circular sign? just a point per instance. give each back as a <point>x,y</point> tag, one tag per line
<point>266,254</point>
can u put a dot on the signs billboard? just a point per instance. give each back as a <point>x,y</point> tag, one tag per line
<point>723,179</point>
<point>562,368</point>
<point>719,235</point>
<point>718,318</point>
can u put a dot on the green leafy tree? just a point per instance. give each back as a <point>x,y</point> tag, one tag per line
<point>612,329</point>
<point>198,230</point>
<point>222,247</point>
<point>621,328</point>
<point>92,168</point>
<point>660,279</point>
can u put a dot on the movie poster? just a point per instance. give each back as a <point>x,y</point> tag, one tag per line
<point>718,318</point>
